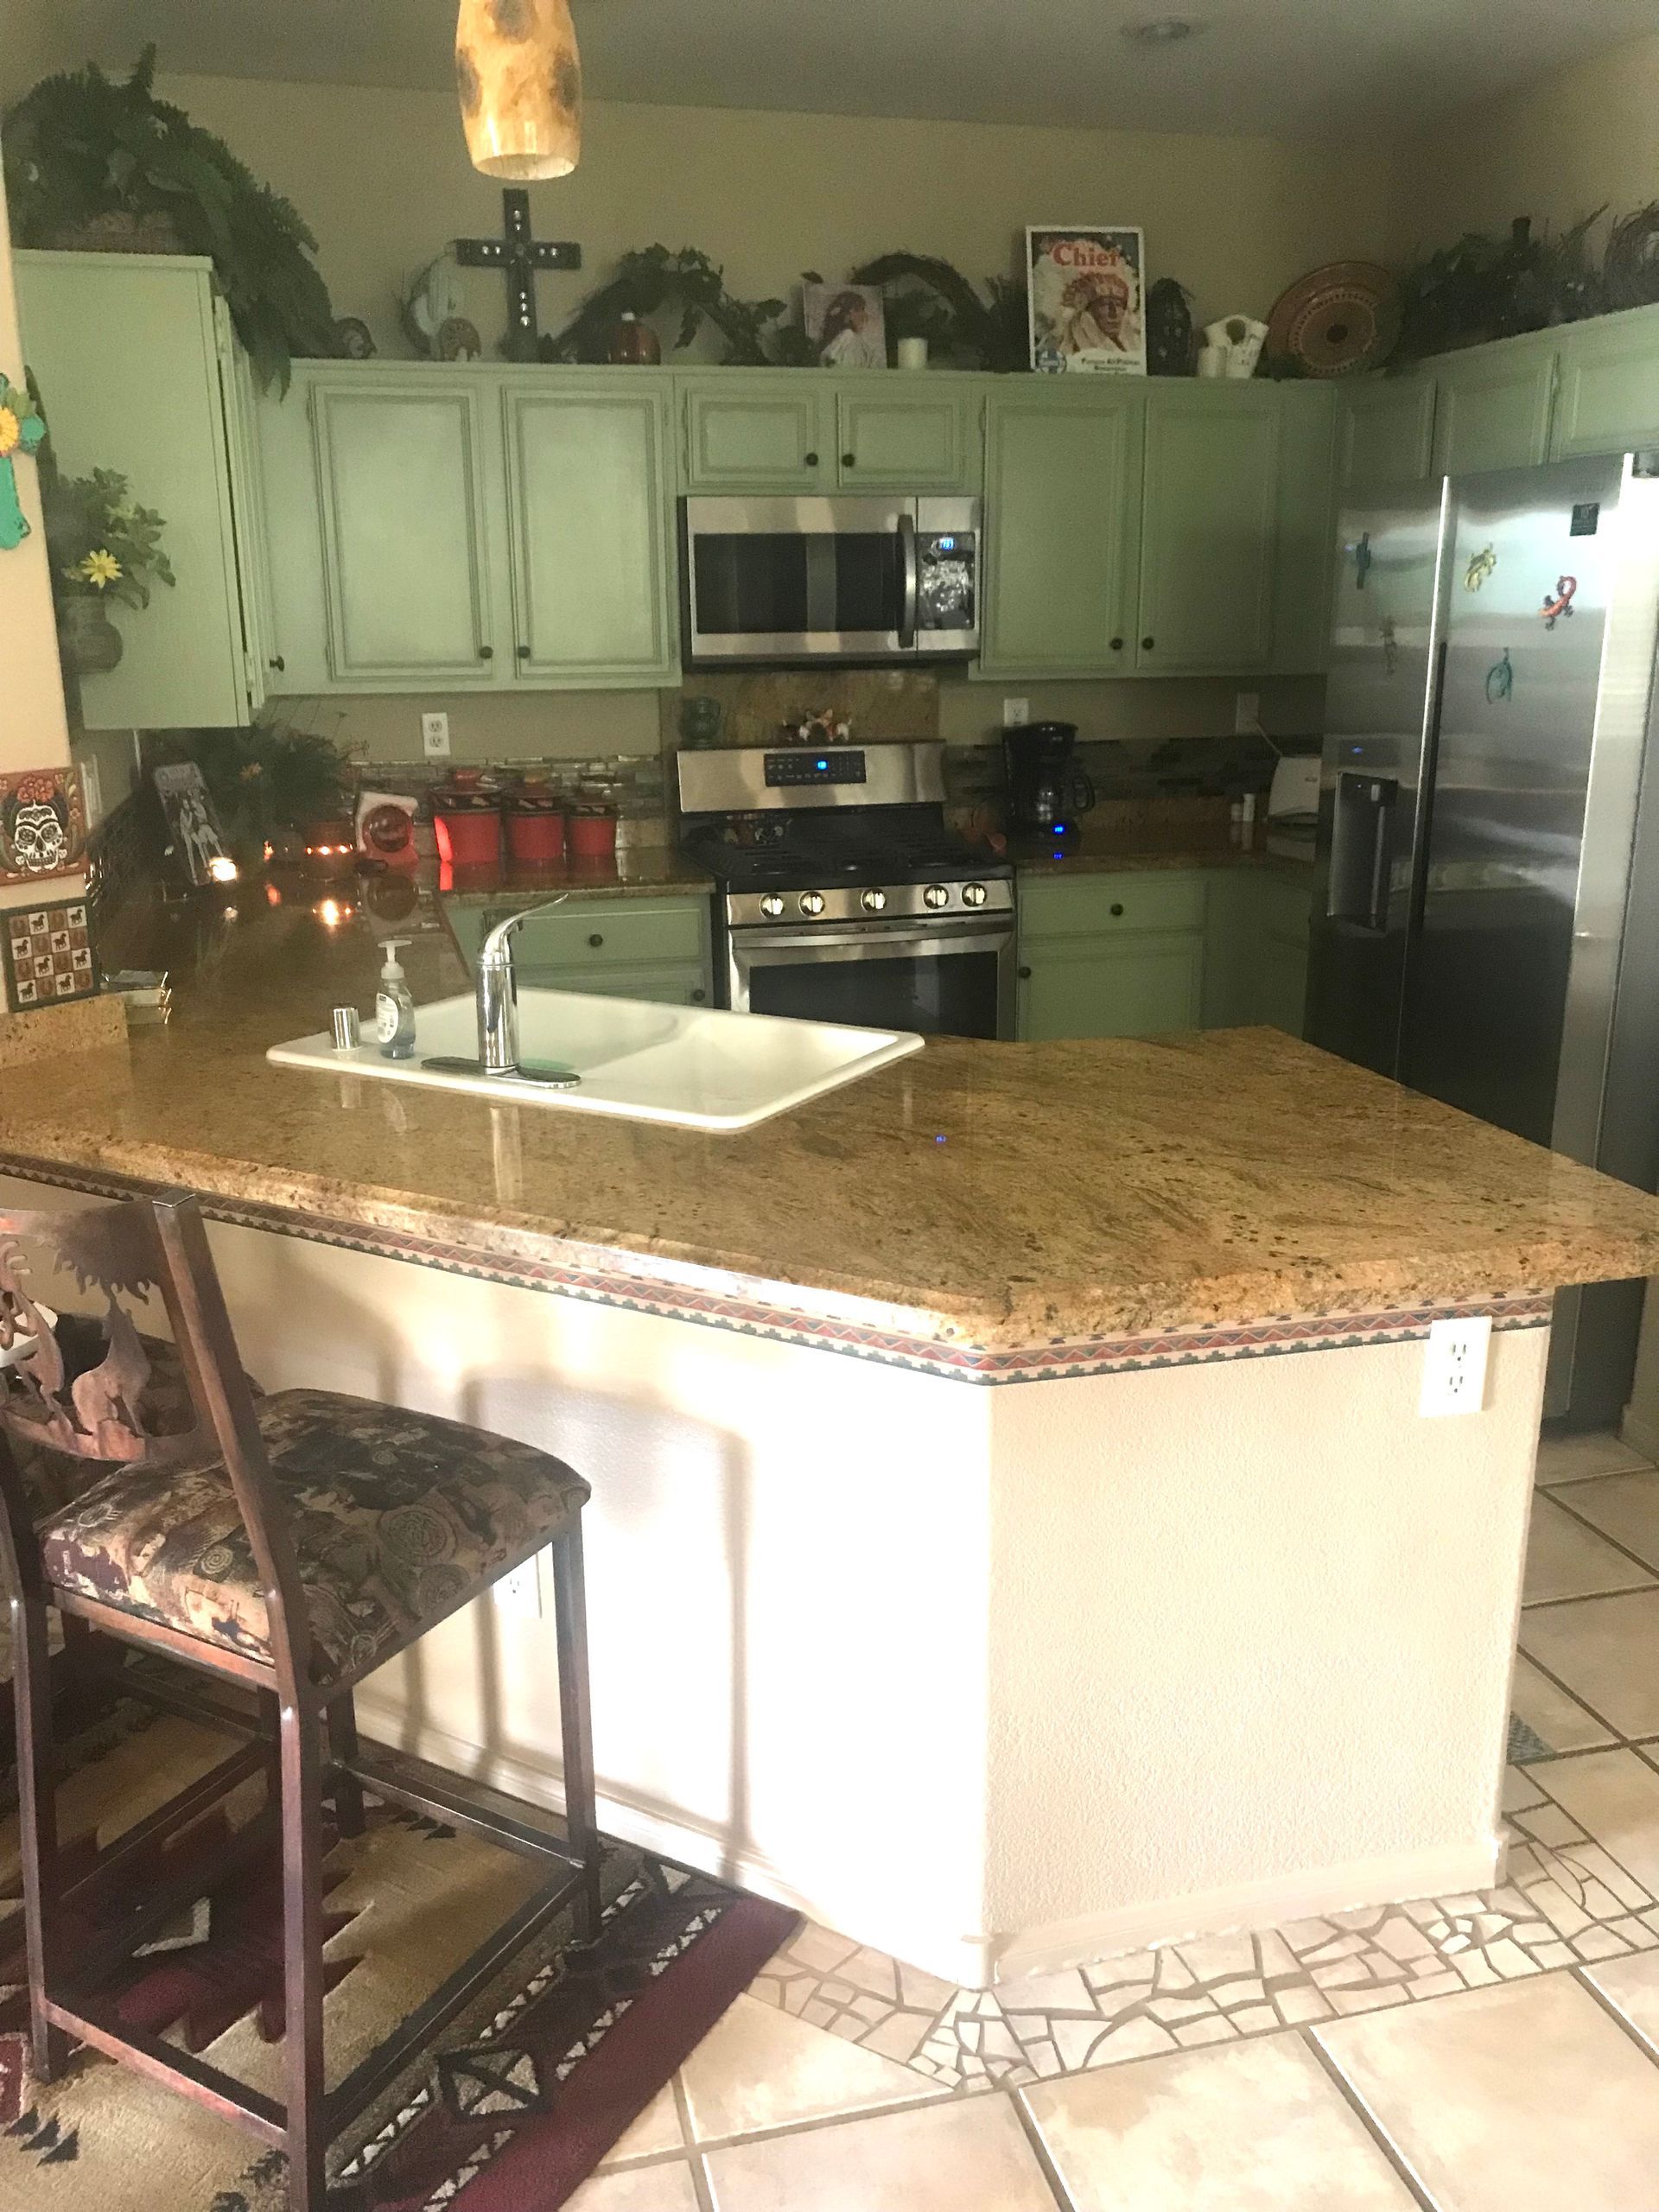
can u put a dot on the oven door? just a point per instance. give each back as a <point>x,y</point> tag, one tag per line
<point>943,982</point>
<point>799,579</point>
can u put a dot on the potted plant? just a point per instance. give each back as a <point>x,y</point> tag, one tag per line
<point>104,546</point>
<point>269,779</point>
<point>95,164</point>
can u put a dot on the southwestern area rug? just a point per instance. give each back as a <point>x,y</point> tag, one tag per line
<point>519,2100</point>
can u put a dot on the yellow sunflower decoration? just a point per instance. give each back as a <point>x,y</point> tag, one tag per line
<point>100,569</point>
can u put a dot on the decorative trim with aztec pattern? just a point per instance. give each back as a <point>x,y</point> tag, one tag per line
<point>1061,1357</point>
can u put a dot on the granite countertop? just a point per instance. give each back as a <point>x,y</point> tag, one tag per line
<point>996,1195</point>
<point>645,872</point>
<point>1103,857</point>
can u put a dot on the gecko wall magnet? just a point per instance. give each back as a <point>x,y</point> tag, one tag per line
<point>1480,568</point>
<point>1363,559</point>
<point>1391,645</point>
<point>1500,678</point>
<point>1561,602</point>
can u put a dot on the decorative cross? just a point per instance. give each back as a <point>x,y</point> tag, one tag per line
<point>518,256</point>
<point>21,431</point>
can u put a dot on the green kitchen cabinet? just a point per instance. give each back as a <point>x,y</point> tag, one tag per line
<point>1609,396</point>
<point>590,513</point>
<point>139,373</point>
<point>1256,948</point>
<point>1110,955</point>
<point>620,947</point>
<point>1304,556</point>
<point>1385,431</point>
<point>1209,529</point>
<point>908,441</point>
<point>748,431</point>
<point>1492,406</point>
<point>1063,479</point>
<point>406,565</point>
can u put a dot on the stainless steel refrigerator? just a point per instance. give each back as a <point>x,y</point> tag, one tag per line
<point>1486,920</point>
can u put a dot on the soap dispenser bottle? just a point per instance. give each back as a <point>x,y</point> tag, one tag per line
<point>394,1009</point>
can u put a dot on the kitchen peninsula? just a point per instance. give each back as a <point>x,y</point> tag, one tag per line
<point>1013,1538</point>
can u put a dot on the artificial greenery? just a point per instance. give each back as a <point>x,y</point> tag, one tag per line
<point>687,284</point>
<point>265,778</point>
<point>81,148</point>
<point>926,297</point>
<point>102,545</point>
<point>1496,285</point>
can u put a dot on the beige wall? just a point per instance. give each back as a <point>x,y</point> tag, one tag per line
<point>1560,147</point>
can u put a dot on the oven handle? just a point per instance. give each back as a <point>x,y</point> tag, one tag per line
<point>976,938</point>
<point>912,581</point>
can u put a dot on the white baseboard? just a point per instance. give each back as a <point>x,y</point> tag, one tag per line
<point>1642,1436</point>
<point>1251,1906</point>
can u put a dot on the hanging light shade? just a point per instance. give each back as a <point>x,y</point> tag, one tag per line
<point>520,75</point>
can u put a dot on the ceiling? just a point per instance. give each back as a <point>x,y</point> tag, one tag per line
<point>1297,68</point>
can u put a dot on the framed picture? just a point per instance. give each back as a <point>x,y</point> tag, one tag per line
<point>1087,289</point>
<point>846,325</point>
<point>42,823</point>
<point>194,834</point>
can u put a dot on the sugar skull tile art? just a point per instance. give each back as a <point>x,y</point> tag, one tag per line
<point>42,824</point>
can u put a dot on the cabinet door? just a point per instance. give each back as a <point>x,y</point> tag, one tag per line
<point>1385,431</point>
<point>126,353</point>
<point>759,435</point>
<point>1302,571</point>
<point>1609,398</point>
<point>247,510</point>
<point>1493,408</point>
<point>405,573</point>
<point>1210,528</point>
<point>907,441</point>
<point>1061,526</point>
<point>1132,986</point>
<point>678,985</point>
<point>590,506</point>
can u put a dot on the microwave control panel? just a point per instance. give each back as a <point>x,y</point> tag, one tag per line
<point>837,766</point>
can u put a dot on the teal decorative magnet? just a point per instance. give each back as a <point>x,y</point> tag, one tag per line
<point>21,431</point>
<point>1500,678</point>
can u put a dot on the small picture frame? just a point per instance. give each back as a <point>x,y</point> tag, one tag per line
<point>1087,292</point>
<point>846,325</point>
<point>194,834</point>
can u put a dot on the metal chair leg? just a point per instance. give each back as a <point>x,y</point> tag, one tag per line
<point>37,1818</point>
<point>342,1749</point>
<point>302,1971</point>
<point>582,1826</point>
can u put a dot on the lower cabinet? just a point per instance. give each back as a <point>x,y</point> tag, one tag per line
<point>1255,951</point>
<point>623,947</point>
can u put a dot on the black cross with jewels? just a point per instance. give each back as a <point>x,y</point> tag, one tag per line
<point>518,255</point>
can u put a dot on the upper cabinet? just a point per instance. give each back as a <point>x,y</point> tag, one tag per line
<point>1385,431</point>
<point>139,373</point>
<point>1609,396</point>
<point>746,430</point>
<point>1302,565</point>
<point>755,433</point>
<point>924,439</point>
<point>1209,529</point>
<point>1492,407</point>
<point>1062,538</point>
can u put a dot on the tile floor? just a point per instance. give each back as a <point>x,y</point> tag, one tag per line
<point>1489,2053</point>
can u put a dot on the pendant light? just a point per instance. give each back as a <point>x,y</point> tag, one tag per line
<point>519,76</point>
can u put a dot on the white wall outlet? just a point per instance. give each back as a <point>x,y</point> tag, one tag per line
<point>1246,712</point>
<point>1454,1366</point>
<point>434,736</point>
<point>520,1593</point>
<point>1016,713</point>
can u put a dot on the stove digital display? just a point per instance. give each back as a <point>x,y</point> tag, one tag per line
<point>785,769</point>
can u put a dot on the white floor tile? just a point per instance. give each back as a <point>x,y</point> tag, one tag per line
<point>1566,1559</point>
<point>1257,2127</point>
<point>647,2189</point>
<point>1606,1652</point>
<point>758,2068</point>
<point>1556,1718</point>
<point>967,2155</point>
<point>657,2128</point>
<point>1615,1795</point>
<point>1626,1506</point>
<point>1632,1987</point>
<point>1523,2098</point>
<point>1574,1459</point>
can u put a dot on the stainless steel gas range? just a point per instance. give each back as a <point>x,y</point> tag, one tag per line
<point>843,896</point>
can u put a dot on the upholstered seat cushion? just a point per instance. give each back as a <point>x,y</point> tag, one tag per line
<point>395,1516</point>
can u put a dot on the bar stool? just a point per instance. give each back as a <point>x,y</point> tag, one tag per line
<point>291,1544</point>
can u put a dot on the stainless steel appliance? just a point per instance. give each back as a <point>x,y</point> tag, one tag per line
<point>829,579</point>
<point>1487,916</point>
<point>842,895</point>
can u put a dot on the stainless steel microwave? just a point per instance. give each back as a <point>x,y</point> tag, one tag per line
<point>827,579</point>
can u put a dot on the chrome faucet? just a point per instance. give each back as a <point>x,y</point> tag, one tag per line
<point>498,994</point>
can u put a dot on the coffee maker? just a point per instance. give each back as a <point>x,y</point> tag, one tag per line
<point>1047,791</point>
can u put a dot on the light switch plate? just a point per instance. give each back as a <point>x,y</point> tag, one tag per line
<point>1454,1366</point>
<point>1246,712</point>
<point>434,736</point>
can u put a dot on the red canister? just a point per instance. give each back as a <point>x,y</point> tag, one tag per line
<point>467,826</point>
<point>592,834</point>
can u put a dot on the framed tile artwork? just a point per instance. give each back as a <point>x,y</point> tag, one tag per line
<point>42,824</point>
<point>49,955</point>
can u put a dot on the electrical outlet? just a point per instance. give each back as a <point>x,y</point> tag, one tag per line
<point>1016,713</point>
<point>434,736</point>
<point>520,1593</point>
<point>1454,1366</point>
<point>1246,712</point>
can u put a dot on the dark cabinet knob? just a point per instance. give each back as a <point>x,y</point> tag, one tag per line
<point>1117,909</point>
<point>1024,975</point>
<point>697,997</point>
<point>278,663</point>
<point>596,940</point>
<point>810,459</point>
<point>486,653</point>
<point>1117,645</point>
<point>1146,644</point>
<point>523,652</point>
<point>849,460</point>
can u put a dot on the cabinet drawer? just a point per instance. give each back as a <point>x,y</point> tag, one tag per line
<point>684,984</point>
<point>1102,905</point>
<point>594,933</point>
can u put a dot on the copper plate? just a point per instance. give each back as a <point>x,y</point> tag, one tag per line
<point>1336,320</point>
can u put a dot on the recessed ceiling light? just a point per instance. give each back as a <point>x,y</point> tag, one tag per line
<point>1161,30</point>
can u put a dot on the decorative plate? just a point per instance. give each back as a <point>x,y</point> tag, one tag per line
<point>1337,320</point>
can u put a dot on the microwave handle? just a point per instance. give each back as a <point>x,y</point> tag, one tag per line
<point>912,581</point>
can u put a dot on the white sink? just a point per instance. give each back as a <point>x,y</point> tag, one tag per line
<point>691,1066</point>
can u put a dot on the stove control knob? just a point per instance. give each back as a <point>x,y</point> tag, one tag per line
<point>873,901</point>
<point>772,905</point>
<point>935,896</point>
<point>974,894</point>
<point>813,902</point>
